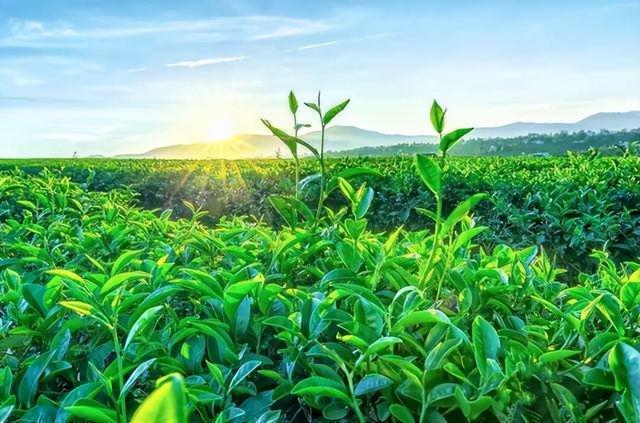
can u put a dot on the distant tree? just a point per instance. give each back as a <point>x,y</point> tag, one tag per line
<point>541,144</point>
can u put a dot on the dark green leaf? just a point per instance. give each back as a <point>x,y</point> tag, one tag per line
<point>242,373</point>
<point>430,173</point>
<point>333,112</point>
<point>448,141</point>
<point>372,383</point>
<point>293,102</point>
<point>29,384</point>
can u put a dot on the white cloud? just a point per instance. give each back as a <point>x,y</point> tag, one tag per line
<point>294,27</point>
<point>24,29</point>
<point>328,43</point>
<point>205,62</point>
<point>331,43</point>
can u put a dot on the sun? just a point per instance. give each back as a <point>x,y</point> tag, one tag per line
<point>220,129</point>
<point>201,123</point>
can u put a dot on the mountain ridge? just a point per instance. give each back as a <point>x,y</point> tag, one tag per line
<point>348,137</point>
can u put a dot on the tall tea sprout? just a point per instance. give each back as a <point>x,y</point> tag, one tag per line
<point>292,141</point>
<point>293,108</point>
<point>324,121</point>
<point>437,117</point>
<point>430,172</point>
<point>291,208</point>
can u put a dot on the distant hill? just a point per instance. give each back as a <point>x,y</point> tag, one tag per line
<point>608,142</point>
<point>347,137</point>
<point>341,138</point>
<point>252,145</point>
<point>236,147</point>
<point>608,121</point>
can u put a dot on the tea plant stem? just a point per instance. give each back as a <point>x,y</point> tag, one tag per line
<point>322,184</point>
<point>436,236</point>
<point>354,400</point>
<point>297,160</point>
<point>444,271</point>
<point>322,168</point>
<point>122,405</point>
<point>297,192</point>
<point>423,410</point>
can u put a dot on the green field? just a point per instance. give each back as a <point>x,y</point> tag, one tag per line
<point>429,289</point>
<point>570,205</point>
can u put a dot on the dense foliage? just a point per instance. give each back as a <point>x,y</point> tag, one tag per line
<point>569,205</point>
<point>113,313</point>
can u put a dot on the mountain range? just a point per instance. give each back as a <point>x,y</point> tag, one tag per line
<point>342,138</point>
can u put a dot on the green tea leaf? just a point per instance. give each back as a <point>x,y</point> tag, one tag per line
<point>486,344</point>
<point>568,400</point>
<point>67,274</point>
<point>5,412</point>
<point>79,307</point>
<point>363,203</point>
<point>293,103</point>
<point>624,361</point>
<point>401,413</point>
<point>382,344</point>
<point>460,211</point>
<point>313,106</point>
<point>142,367</point>
<point>143,321</point>
<point>436,115</point>
<point>285,210</point>
<point>29,383</point>
<point>430,173</point>
<point>319,386</point>
<point>472,409</point>
<point>92,413</point>
<point>243,372</point>
<point>123,260</point>
<point>372,383</point>
<point>117,281</point>
<point>431,316</point>
<point>34,295</point>
<point>290,141</point>
<point>350,173</point>
<point>167,404</point>
<point>449,140</point>
<point>333,112</point>
<point>552,356</point>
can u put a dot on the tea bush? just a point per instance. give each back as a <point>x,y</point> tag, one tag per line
<point>569,205</point>
<point>114,313</point>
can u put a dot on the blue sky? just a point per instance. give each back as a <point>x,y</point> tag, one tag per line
<point>120,76</point>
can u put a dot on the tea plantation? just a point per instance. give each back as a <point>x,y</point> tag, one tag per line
<point>428,290</point>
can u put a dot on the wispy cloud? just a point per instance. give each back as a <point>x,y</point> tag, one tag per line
<point>18,79</point>
<point>348,40</point>
<point>250,28</point>
<point>136,70</point>
<point>205,62</point>
<point>294,28</point>
<point>31,29</point>
<point>319,45</point>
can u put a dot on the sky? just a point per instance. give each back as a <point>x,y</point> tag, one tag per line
<point>109,77</point>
